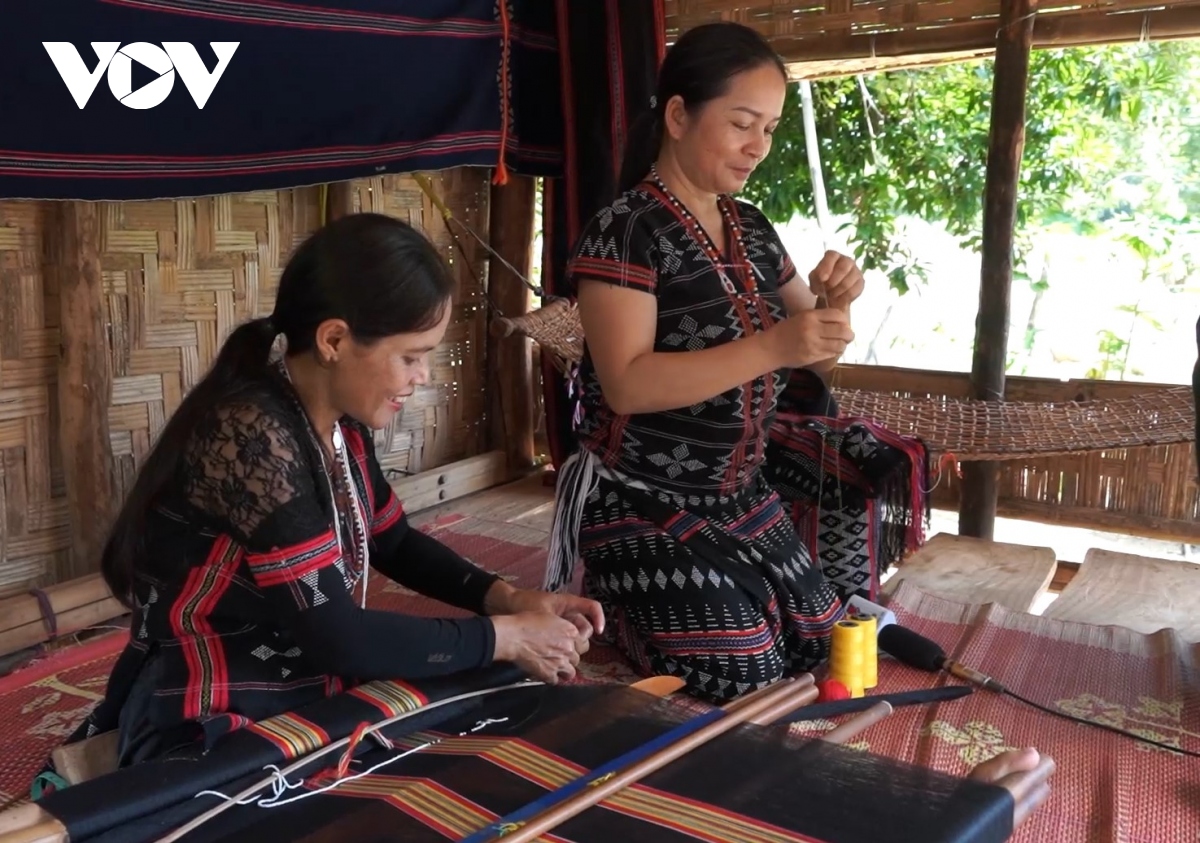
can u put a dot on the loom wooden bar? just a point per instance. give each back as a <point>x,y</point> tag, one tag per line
<point>22,609</point>
<point>84,385</point>
<point>510,231</point>
<point>70,621</point>
<point>858,724</point>
<point>977,509</point>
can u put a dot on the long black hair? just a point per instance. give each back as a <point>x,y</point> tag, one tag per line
<point>378,274</point>
<point>697,68</point>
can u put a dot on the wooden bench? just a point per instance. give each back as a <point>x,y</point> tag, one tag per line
<point>969,570</point>
<point>1142,593</point>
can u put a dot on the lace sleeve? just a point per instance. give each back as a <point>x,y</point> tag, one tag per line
<point>248,474</point>
<point>244,465</point>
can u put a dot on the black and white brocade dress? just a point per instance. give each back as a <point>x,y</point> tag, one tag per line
<point>699,569</point>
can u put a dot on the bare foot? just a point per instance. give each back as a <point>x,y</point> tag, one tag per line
<point>1024,772</point>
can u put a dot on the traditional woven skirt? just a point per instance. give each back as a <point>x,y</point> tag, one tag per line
<point>720,592</point>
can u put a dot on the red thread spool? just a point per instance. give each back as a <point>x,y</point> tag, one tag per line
<point>831,689</point>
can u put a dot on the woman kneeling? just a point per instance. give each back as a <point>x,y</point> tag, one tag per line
<point>694,319</point>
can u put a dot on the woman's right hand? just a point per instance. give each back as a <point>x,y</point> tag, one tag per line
<point>810,336</point>
<point>543,645</point>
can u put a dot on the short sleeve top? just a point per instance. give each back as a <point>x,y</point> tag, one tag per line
<point>647,241</point>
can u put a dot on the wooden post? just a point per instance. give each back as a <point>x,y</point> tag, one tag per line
<point>339,200</point>
<point>84,385</point>
<point>977,506</point>
<point>510,231</point>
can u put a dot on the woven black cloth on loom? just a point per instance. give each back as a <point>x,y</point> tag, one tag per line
<point>317,91</point>
<point>610,51</point>
<point>751,784</point>
<point>144,801</point>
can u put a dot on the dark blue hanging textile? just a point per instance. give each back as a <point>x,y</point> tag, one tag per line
<point>610,51</point>
<point>313,92</point>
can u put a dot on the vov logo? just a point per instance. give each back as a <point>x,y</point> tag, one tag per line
<point>165,61</point>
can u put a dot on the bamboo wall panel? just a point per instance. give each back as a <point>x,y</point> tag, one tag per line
<point>1150,491</point>
<point>178,277</point>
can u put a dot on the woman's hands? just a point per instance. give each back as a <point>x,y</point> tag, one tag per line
<point>836,280</point>
<point>809,337</point>
<point>544,633</point>
<point>817,330</point>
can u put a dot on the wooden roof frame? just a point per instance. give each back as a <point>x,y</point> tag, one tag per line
<point>838,37</point>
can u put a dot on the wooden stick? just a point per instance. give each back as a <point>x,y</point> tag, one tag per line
<point>747,699</point>
<point>858,723</point>
<point>787,706</point>
<point>602,786</point>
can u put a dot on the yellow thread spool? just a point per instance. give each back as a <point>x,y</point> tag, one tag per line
<point>870,650</point>
<point>846,656</point>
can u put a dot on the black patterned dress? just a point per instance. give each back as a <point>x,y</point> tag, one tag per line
<point>690,551</point>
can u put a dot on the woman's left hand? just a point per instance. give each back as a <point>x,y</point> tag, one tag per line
<point>837,279</point>
<point>587,615</point>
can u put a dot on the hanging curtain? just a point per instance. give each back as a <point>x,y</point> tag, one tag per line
<point>609,53</point>
<point>142,99</point>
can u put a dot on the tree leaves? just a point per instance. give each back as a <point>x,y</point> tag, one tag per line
<point>913,143</point>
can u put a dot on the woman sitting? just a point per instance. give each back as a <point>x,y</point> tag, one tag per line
<point>245,546</point>
<point>694,319</point>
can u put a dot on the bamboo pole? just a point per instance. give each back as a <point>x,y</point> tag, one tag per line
<point>977,510</point>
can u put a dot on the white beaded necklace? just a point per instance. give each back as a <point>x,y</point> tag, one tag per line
<point>358,558</point>
<point>736,245</point>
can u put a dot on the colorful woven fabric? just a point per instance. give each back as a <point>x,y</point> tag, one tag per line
<point>313,92</point>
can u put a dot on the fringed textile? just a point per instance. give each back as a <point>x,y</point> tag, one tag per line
<point>856,492</point>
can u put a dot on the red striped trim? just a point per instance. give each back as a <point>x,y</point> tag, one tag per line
<point>315,17</point>
<point>616,87</point>
<point>207,688</point>
<point>571,152</point>
<point>285,565</point>
<point>388,515</point>
<point>660,31</point>
<point>628,275</point>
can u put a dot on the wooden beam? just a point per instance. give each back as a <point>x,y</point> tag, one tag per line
<point>450,482</point>
<point>817,55</point>
<point>510,381</point>
<point>339,200</point>
<point>84,385</point>
<point>977,513</point>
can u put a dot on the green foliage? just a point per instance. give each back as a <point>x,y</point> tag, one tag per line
<point>1110,134</point>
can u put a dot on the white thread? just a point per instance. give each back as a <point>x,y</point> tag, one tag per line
<point>576,480</point>
<point>280,785</point>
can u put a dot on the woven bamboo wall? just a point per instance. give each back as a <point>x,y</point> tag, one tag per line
<point>1148,491</point>
<point>178,277</point>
